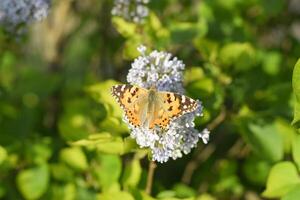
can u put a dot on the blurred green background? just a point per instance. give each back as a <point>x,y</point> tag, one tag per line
<point>62,135</point>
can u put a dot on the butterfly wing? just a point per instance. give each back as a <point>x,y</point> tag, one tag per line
<point>132,100</point>
<point>170,106</point>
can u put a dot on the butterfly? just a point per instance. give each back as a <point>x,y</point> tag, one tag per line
<point>150,108</point>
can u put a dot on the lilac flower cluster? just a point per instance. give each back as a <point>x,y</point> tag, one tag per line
<point>166,74</point>
<point>16,12</point>
<point>131,10</point>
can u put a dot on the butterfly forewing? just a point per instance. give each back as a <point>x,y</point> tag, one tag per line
<point>132,99</point>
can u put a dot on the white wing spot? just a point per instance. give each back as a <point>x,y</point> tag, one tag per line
<point>123,87</point>
<point>184,106</point>
<point>183,99</point>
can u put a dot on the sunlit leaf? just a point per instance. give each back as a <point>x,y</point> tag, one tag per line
<point>106,143</point>
<point>240,55</point>
<point>296,87</point>
<point>108,171</point>
<point>132,174</point>
<point>267,141</point>
<point>294,194</point>
<point>3,154</point>
<point>101,92</point>
<point>63,192</point>
<point>272,62</point>
<point>124,27</point>
<point>74,157</point>
<point>183,191</point>
<point>282,179</point>
<point>296,150</point>
<point>33,182</point>
<point>115,195</point>
<point>287,132</point>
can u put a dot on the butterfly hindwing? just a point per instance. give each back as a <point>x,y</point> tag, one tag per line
<point>131,100</point>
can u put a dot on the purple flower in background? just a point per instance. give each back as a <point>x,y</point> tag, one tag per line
<point>16,12</point>
<point>159,69</point>
<point>131,10</point>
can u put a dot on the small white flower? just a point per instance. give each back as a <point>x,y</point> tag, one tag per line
<point>131,10</point>
<point>204,135</point>
<point>159,69</point>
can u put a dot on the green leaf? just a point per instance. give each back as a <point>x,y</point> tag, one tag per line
<point>207,48</point>
<point>101,93</point>
<point>296,150</point>
<point>108,171</point>
<point>3,154</point>
<point>257,166</point>
<point>183,32</point>
<point>115,195</point>
<point>76,122</point>
<point>205,197</point>
<point>94,139</point>
<point>115,146</point>
<point>132,174</point>
<point>63,192</point>
<point>106,143</point>
<point>283,178</point>
<point>240,55</point>
<point>204,86</point>
<point>266,141</point>
<point>33,182</point>
<point>287,132</point>
<point>62,172</point>
<point>7,70</point>
<point>130,51</point>
<point>193,74</point>
<point>183,191</point>
<point>294,194</point>
<point>166,194</point>
<point>271,62</point>
<point>140,194</point>
<point>74,157</point>
<point>296,87</point>
<point>114,125</point>
<point>2,190</point>
<point>125,28</point>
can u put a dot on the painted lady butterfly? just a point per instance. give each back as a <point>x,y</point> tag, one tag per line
<point>150,108</point>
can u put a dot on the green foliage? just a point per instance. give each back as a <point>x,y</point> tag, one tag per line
<point>61,132</point>
<point>282,179</point>
<point>296,87</point>
<point>33,182</point>
<point>296,150</point>
<point>108,172</point>
<point>268,141</point>
<point>116,195</point>
<point>74,157</point>
<point>132,174</point>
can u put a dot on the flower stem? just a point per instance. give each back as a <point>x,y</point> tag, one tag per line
<point>201,154</point>
<point>151,170</point>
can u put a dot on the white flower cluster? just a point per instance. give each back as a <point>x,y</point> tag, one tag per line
<point>131,10</point>
<point>16,12</point>
<point>166,74</point>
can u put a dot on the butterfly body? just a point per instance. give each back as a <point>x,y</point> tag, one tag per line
<point>151,108</point>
